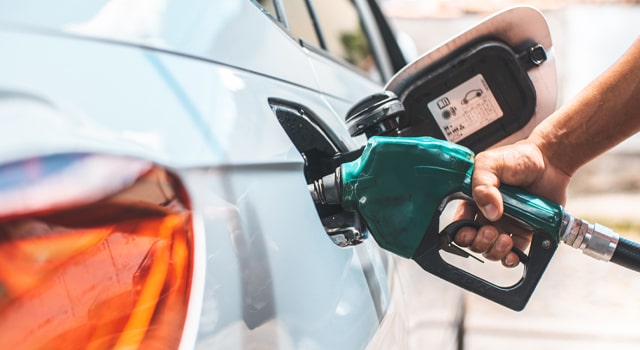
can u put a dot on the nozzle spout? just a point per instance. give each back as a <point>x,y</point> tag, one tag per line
<point>327,190</point>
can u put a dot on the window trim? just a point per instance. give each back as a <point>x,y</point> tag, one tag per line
<point>389,41</point>
<point>373,33</point>
<point>369,23</point>
<point>282,18</point>
<point>316,24</point>
<point>366,20</point>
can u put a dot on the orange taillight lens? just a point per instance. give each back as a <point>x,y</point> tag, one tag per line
<point>110,274</point>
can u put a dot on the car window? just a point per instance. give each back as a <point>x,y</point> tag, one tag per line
<point>343,34</point>
<point>334,26</point>
<point>300,22</point>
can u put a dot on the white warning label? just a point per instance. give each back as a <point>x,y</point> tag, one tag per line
<point>465,109</point>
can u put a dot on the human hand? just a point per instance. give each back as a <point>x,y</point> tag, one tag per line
<point>524,165</point>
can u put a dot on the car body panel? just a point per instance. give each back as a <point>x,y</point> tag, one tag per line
<point>90,96</point>
<point>195,28</point>
<point>244,176</point>
<point>294,291</point>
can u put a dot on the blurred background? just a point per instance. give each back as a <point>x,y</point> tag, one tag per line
<point>580,303</point>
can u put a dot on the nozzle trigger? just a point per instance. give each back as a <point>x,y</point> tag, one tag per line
<point>445,239</point>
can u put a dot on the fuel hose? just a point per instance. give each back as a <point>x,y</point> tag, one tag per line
<point>627,254</point>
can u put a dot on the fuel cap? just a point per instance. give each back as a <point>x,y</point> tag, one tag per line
<point>374,115</point>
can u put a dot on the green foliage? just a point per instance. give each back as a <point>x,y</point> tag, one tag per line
<point>355,46</point>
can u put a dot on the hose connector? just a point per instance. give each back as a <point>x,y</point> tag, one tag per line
<point>327,190</point>
<point>595,240</point>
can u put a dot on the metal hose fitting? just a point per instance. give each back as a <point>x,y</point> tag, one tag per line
<point>595,240</point>
<point>326,190</point>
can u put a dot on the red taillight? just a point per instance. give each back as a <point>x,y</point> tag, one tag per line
<point>110,274</point>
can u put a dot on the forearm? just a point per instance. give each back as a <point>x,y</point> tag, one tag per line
<point>602,115</point>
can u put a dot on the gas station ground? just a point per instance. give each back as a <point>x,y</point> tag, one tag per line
<point>580,303</point>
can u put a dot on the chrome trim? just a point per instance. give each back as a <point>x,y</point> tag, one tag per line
<point>595,240</point>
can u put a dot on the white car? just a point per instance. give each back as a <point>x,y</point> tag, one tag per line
<point>154,162</point>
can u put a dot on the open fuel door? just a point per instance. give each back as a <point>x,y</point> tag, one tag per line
<point>488,86</point>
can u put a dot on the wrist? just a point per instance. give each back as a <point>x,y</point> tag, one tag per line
<point>554,143</point>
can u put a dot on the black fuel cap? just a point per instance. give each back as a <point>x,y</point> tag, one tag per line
<point>376,114</point>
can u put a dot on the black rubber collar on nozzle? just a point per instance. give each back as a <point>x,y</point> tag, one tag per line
<point>375,115</point>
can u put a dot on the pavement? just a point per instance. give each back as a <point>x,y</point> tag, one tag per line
<point>580,303</point>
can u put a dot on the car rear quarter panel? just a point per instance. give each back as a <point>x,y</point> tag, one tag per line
<point>266,274</point>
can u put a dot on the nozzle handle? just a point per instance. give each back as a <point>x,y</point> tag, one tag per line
<point>535,213</point>
<point>516,296</point>
<point>542,217</point>
<point>400,187</point>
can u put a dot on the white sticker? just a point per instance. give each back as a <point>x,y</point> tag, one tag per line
<point>465,109</point>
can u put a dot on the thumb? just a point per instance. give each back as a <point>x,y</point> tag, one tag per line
<point>485,185</point>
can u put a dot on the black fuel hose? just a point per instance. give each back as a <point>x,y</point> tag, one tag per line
<point>627,254</point>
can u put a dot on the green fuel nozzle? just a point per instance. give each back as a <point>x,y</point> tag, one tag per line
<point>401,185</point>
